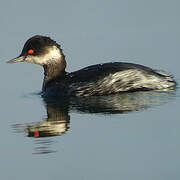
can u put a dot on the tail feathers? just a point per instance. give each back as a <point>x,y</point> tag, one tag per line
<point>169,78</point>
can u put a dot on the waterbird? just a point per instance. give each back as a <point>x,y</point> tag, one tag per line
<point>100,79</point>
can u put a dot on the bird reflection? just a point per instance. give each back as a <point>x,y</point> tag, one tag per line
<point>117,104</point>
<point>56,123</point>
<point>57,120</point>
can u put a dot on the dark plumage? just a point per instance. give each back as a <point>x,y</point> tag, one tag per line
<point>100,79</point>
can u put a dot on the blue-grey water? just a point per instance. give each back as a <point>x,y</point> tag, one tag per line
<point>127,136</point>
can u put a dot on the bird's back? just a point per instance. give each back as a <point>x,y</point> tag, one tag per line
<point>110,78</point>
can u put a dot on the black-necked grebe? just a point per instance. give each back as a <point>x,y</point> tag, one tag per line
<point>100,79</point>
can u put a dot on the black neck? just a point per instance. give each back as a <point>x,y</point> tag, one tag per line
<point>53,72</point>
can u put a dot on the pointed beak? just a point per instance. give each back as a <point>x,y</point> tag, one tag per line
<point>18,59</point>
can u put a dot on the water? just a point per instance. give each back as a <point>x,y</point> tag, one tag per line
<point>128,136</point>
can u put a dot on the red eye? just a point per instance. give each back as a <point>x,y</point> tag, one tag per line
<point>30,51</point>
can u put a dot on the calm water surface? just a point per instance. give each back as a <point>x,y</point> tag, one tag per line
<point>125,136</point>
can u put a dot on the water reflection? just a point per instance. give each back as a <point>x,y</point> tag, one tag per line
<point>57,120</point>
<point>55,124</point>
<point>122,103</point>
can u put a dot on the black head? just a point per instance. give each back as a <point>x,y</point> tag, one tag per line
<point>40,50</point>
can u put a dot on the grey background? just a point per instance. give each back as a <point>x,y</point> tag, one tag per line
<point>137,145</point>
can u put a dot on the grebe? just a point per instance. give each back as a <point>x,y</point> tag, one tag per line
<point>99,79</point>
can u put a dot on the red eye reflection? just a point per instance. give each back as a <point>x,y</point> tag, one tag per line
<point>36,133</point>
<point>30,51</point>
